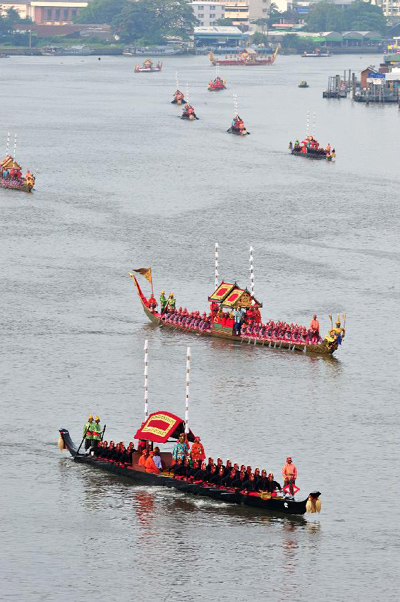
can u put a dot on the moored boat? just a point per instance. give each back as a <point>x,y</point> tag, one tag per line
<point>315,54</point>
<point>303,84</point>
<point>11,176</point>
<point>310,149</point>
<point>148,67</point>
<point>246,58</point>
<point>222,321</point>
<point>162,427</point>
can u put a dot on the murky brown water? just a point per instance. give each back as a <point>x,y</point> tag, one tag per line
<point>124,183</point>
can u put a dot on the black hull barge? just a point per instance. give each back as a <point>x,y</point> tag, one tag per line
<point>138,475</point>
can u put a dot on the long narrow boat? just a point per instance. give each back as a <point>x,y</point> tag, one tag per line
<point>221,325</point>
<point>247,58</point>
<point>163,426</point>
<point>11,176</point>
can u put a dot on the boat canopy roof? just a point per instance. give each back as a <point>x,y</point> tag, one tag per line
<point>230,295</point>
<point>9,163</point>
<point>160,426</point>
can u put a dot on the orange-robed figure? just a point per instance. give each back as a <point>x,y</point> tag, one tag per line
<point>149,464</point>
<point>197,452</point>
<point>289,472</point>
<point>314,325</point>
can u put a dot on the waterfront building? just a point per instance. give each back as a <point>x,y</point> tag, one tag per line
<point>208,13</point>
<point>237,12</point>
<point>46,12</point>
<point>219,36</point>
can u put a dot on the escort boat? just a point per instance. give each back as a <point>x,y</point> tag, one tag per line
<point>221,322</point>
<point>161,427</point>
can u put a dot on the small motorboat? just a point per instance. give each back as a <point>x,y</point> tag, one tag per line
<point>303,84</point>
<point>148,67</point>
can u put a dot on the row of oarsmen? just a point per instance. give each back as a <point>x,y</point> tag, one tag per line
<point>243,478</point>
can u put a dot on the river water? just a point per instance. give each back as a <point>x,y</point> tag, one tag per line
<point>123,183</point>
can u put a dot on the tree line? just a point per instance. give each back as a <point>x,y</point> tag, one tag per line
<point>144,21</point>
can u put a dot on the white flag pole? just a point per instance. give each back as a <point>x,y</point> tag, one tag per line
<point>8,144</point>
<point>251,259</point>
<point>146,374</point>
<point>15,145</point>
<point>187,390</point>
<point>216,279</point>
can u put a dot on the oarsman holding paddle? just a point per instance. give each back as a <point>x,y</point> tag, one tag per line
<point>87,432</point>
<point>96,431</point>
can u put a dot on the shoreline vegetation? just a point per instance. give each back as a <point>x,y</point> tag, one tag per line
<point>149,23</point>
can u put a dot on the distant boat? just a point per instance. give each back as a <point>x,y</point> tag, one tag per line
<point>315,54</point>
<point>79,50</point>
<point>303,84</point>
<point>148,67</point>
<point>152,50</point>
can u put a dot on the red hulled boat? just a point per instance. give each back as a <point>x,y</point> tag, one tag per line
<point>228,301</point>
<point>217,84</point>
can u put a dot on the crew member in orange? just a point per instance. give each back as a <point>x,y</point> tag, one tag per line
<point>289,472</point>
<point>314,327</point>
<point>149,464</point>
<point>143,458</point>
<point>197,453</point>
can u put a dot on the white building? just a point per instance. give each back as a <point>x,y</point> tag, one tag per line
<point>391,8</point>
<point>208,13</point>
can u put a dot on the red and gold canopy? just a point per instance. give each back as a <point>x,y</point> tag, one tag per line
<point>160,426</point>
<point>230,295</point>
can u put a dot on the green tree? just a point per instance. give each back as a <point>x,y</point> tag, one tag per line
<point>151,21</point>
<point>363,16</point>
<point>325,17</point>
<point>359,16</point>
<point>101,11</point>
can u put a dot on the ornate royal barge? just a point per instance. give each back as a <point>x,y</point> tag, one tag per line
<point>162,427</point>
<point>220,322</point>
